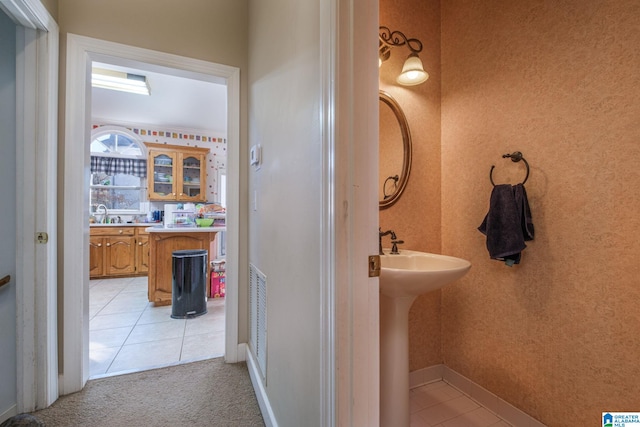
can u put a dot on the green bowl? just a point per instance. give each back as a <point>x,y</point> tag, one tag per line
<point>204,222</point>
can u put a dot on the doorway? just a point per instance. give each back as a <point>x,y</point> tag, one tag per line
<point>127,332</point>
<point>82,51</point>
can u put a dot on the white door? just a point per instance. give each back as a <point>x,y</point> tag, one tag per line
<point>356,213</point>
<point>7,215</point>
<point>28,175</point>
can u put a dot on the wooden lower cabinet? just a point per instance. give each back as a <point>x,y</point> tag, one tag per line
<point>161,250</point>
<point>96,256</point>
<point>114,252</point>
<point>120,255</point>
<point>142,252</point>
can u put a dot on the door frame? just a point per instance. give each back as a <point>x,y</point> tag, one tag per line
<point>81,52</point>
<point>37,37</point>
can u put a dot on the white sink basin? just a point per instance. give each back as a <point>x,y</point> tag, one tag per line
<point>412,273</point>
<point>403,277</point>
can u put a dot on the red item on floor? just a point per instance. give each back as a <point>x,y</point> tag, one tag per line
<point>217,284</point>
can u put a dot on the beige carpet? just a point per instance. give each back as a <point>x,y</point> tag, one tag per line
<point>206,393</point>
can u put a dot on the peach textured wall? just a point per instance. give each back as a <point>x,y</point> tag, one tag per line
<point>416,216</point>
<point>558,335</point>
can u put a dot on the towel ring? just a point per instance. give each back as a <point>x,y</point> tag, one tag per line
<point>515,157</point>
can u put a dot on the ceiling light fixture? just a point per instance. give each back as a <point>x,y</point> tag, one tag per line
<point>413,72</point>
<point>118,80</point>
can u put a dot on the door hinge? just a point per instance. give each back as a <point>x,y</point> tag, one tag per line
<point>374,265</point>
<point>42,237</point>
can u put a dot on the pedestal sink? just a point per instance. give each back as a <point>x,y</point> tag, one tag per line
<point>403,277</point>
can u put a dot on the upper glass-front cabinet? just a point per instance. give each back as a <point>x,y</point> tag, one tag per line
<point>177,173</point>
<point>161,175</point>
<point>193,174</point>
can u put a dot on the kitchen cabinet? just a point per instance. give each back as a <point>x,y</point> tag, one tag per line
<point>176,173</point>
<point>142,251</point>
<point>96,256</point>
<point>114,252</point>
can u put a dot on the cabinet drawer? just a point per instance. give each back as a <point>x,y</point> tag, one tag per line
<point>112,231</point>
<point>142,231</point>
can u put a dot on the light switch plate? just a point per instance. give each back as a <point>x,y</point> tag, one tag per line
<point>254,155</point>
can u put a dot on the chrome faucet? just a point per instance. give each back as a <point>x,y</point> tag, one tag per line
<point>381,234</point>
<point>105,217</point>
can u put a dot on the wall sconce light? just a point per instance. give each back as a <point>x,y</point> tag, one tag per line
<point>413,72</point>
<point>117,80</point>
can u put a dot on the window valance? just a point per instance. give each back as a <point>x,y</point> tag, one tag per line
<point>114,165</point>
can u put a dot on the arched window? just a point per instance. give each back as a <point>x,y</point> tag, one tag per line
<point>118,170</point>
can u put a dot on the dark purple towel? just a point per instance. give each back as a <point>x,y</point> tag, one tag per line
<point>508,223</point>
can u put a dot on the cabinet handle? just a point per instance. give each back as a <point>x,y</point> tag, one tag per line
<point>99,245</point>
<point>120,231</point>
<point>108,244</point>
<point>139,243</point>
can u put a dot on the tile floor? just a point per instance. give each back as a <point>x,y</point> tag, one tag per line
<point>438,404</point>
<point>127,333</point>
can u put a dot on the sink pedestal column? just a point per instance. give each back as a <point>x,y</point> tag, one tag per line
<point>394,360</point>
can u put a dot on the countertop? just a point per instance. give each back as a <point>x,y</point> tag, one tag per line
<point>160,229</point>
<point>124,224</point>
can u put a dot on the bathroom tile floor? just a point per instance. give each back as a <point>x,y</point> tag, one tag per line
<point>127,333</point>
<point>438,404</point>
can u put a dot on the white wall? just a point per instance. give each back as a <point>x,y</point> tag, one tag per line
<point>8,364</point>
<point>285,223</point>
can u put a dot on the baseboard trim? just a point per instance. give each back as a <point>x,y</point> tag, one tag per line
<point>493,403</point>
<point>13,410</point>
<point>242,352</point>
<point>261,393</point>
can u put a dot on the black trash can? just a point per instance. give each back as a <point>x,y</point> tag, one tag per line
<point>189,286</point>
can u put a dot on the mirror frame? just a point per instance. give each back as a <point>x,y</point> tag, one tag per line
<point>406,144</point>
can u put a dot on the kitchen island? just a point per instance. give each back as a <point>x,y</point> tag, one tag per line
<point>162,243</point>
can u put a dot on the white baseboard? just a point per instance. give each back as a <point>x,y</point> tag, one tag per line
<point>13,410</point>
<point>490,401</point>
<point>261,393</point>
<point>242,352</point>
<point>426,375</point>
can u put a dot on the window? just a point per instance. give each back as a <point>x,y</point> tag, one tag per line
<point>222,187</point>
<point>118,170</point>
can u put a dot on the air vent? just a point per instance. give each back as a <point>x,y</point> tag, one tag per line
<point>258,318</point>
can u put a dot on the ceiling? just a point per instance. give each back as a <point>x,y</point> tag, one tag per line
<point>176,102</point>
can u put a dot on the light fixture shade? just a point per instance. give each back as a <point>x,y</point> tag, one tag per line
<point>413,72</point>
<point>116,80</point>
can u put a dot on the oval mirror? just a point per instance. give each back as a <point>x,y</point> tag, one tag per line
<point>395,151</point>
